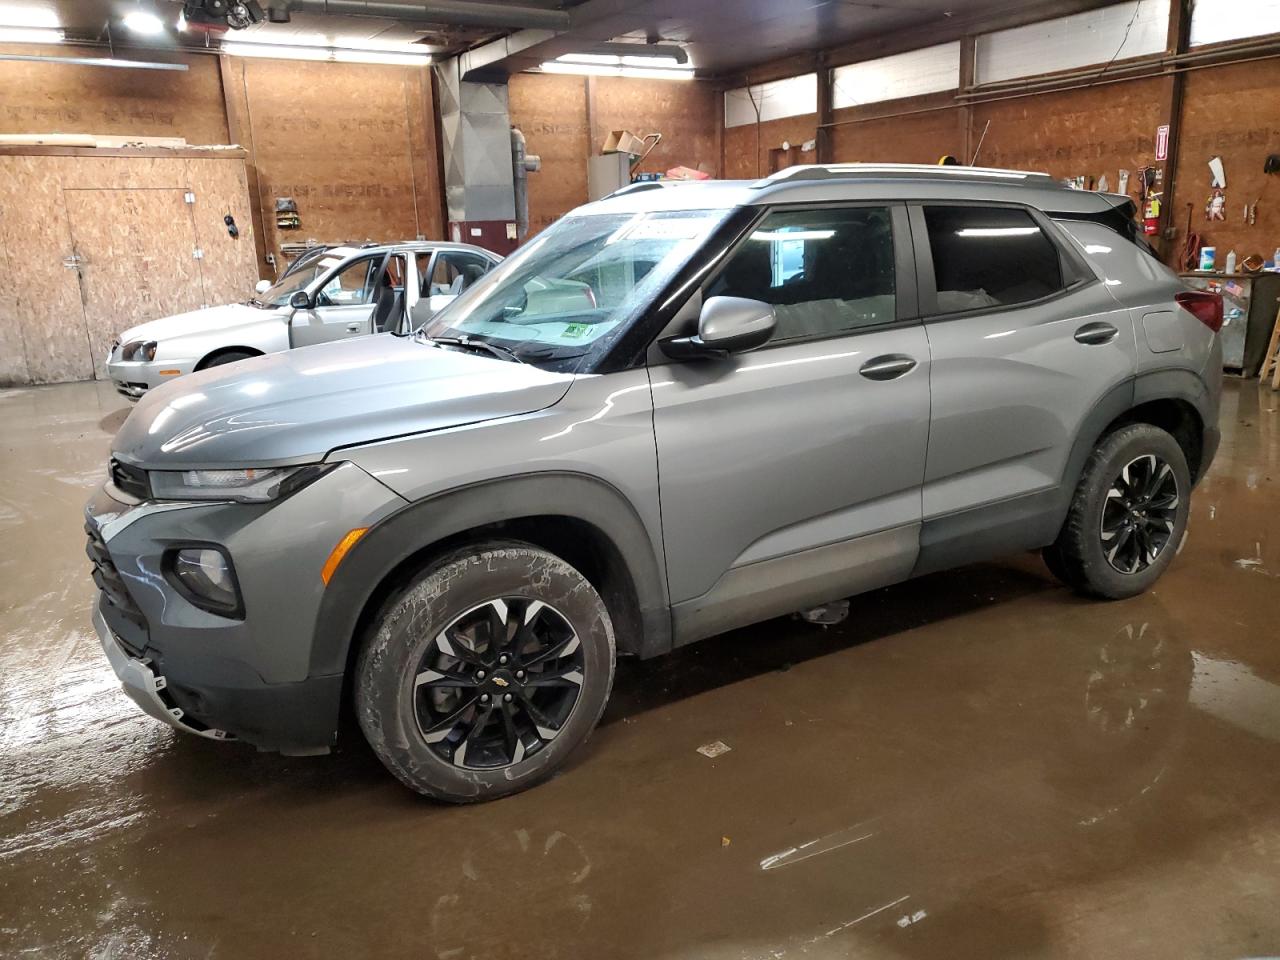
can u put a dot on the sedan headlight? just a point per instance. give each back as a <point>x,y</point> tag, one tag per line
<point>139,350</point>
<point>250,485</point>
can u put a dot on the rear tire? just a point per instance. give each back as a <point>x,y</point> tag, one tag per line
<point>1128,515</point>
<point>486,673</point>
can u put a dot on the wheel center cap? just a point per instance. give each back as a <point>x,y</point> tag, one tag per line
<point>501,681</point>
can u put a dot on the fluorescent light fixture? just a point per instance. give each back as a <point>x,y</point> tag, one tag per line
<point>286,39</point>
<point>670,62</point>
<point>605,58</point>
<point>12,15</point>
<point>601,70</point>
<point>378,56</point>
<point>997,231</point>
<point>285,51</point>
<point>144,22</point>
<point>30,35</point>
<point>275,51</point>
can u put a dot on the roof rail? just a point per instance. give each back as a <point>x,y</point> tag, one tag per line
<point>846,171</point>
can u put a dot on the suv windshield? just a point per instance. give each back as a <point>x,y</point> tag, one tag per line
<point>279,293</point>
<point>574,288</point>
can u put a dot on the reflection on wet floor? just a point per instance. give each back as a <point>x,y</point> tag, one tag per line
<point>976,764</point>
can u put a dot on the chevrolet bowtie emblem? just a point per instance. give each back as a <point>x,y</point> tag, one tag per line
<point>500,682</point>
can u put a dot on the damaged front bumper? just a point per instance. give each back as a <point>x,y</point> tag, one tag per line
<point>144,686</point>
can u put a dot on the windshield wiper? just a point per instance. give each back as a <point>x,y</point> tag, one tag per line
<point>468,343</point>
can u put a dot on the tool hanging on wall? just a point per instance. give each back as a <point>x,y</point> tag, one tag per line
<point>287,214</point>
<point>232,229</point>
<point>1218,172</point>
<point>1190,244</point>
<point>1123,185</point>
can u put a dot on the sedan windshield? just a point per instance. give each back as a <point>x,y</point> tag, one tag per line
<point>574,288</point>
<point>279,293</point>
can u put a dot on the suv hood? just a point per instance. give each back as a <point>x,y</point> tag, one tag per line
<point>297,406</point>
<point>199,321</point>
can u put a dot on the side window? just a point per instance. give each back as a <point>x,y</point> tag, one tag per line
<point>826,272</point>
<point>352,286</point>
<point>451,265</point>
<point>990,257</point>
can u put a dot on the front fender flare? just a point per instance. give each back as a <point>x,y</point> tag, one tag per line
<point>431,520</point>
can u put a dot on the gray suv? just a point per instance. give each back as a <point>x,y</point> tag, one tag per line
<point>673,413</point>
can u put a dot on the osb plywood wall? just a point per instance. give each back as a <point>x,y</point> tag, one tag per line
<point>746,148</point>
<point>1232,112</point>
<point>918,138</point>
<point>551,111</point>
<point>63,98</point>
<point>353,144</point>
<point>565,119</point>
<point>127,219</point>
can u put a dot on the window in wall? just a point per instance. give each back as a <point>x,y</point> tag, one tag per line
<point>825,271</point>
<point>990,257</point>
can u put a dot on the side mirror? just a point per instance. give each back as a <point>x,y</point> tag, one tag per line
<point>300,301</point>
<point>726,325</point>
<point>262,286</point>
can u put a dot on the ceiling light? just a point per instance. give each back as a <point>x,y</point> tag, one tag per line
<point>287,39</point>
<point>605,58</point>
<point>26,16</point>
<point>277,52</point>
<point>141,21</point>
<point>670,62</point>
<point>600,70</point>
<point>376,56</point>
<point>30,35</point>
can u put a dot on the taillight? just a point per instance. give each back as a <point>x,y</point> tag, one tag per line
<point>1204,306</point>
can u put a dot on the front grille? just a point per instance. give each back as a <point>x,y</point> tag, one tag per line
<point>130,480</point>
<point>109,581</point>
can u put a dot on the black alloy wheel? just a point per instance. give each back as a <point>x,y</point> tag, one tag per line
<point>498,683</point>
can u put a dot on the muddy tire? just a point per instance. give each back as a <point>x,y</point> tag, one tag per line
<point>486,674</point>
<point>1127,517</point>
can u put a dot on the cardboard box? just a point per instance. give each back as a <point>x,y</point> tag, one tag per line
<point>620,141</point>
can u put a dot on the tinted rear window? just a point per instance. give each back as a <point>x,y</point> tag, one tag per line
<point>990,257</point>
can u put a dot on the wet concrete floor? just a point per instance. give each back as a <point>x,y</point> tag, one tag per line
<point>976,764</point>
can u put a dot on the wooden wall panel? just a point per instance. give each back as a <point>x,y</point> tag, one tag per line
<point>136,246</point>
<point>686,113</point>
<point>13,351</point>
<point>339,139</point>
<point>1085,132</point>
<point>551,111</point>
<point>45,294</point>
<point>921,138</point>
<point>62,98</point>
<point>227,270</point>
<point>746,148</point>
<point>1232,112</point>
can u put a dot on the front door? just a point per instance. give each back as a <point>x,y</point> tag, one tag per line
<point>790,475</point>
<point>343,307</point>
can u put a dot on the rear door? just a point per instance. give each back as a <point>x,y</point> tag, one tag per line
<point>1025,342</point>
<point>790,475</point>
<point>343,305</point>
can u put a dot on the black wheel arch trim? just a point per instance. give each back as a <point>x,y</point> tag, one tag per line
<point>433,520</point>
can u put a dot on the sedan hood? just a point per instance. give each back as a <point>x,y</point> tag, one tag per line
<point>197,321</point>
<point>297,406</point>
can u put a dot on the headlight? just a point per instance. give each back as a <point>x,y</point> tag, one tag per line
<point>205,578</point>
<point>251,485</point>
<point>139,350</point>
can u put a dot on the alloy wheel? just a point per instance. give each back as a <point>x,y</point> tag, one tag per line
<point>498,683</point>
<point>1140,513</point>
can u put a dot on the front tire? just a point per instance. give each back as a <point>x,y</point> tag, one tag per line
<point>1128,515</point>
<point>486,673</point>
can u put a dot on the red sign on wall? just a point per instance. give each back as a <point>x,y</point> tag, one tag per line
<point>1162,142</point>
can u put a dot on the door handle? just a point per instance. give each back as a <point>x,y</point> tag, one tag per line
<point>353,328</point>
<point>1095,333</point>
<point>887,367</point>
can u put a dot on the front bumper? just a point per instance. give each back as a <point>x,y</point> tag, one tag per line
<point>133,378</point>
<point>143,685</point>
<point>219,677</point>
